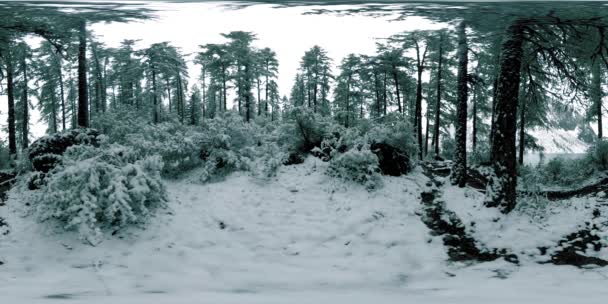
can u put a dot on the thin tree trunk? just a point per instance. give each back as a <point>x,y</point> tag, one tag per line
<point>26,104</point>
<point>347,99</point>
<point>154,96</point>
<point>83,106</point>
<point>522,134</point>
<point>459,172</point>
<point>61,89</point>
<point>493,120</point>
<point>438,100</point>
<point>54,111</point>
<point>12,142</point>
<point>180,99</point>
<point>259,96</point>
<point>169,93</point>
<point>224,89</point>
<point>474,139</point>
<point>385,93</point>
<point>502,192</point>
<point>597,95</point>
<point>396,80</point>
<point>247,94</point>
<point>418,111</point>
<point>266,89</point>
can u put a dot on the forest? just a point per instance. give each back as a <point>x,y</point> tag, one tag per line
<point>407,170</point>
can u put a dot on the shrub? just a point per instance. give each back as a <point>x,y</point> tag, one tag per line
<point>554,169</point>
<point>178,145</point>
<point>598,154</point>
<point>359,165</point>
<point>229,144</point>
<point>448,147</point>
<point>394,144</point>
<point>304,130</point>
<point>46,152</point>
<point>96,189</point>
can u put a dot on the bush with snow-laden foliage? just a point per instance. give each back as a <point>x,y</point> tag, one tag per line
<point>96,189</point>
<point>359,165</point>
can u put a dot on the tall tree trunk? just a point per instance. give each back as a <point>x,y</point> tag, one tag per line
<point>247,93</point>
<point>180,99</point>
<point>396,80</point>
<point>224,89</point>
<point>12,140</point>
<point>83,104</point>
<point>385,93</point>
<point>259,96</point>
<point>266,89</point>
<point>168,83</point>
<point>597,95</point>
<point>418,111</point>
<point>438,99</point>
<point>61,90</point>
<point>377,94</point>
<point>474,139</point>
<point>502,192</point>
<point>54,111</point>
<point>459,172</point>
<point>154,96</point>
<point>347,100</point>
<point>493,120</point>
<point>26,104</point>
<point>522,127</point>
<point>99,82</point>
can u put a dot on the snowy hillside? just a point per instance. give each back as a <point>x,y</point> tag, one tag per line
<point>303,237</point>
<point>559,140</point>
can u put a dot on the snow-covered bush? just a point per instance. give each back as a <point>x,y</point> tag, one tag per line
<point>96,189</point>
<point>304,130</point>
<point>359,165</point>
<point>598,154</point>
<point>177,144</point>
<point>228,144</point>
<point>396,133</point>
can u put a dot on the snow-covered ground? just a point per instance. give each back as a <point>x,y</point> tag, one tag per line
<point>301,237</point>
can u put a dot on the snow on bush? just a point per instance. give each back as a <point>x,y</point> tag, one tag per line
<point>96,189</point>
<point>177,144</point>
<point>397,132</point>
<point>359,165</point>
<point>304,130</point>
<point>598,154</point>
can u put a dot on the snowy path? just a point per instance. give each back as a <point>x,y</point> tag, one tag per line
<point>300,238</point>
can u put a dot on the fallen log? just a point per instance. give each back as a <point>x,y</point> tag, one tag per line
<point>555,195</point>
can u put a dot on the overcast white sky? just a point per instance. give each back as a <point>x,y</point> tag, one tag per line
<point>286,30</point>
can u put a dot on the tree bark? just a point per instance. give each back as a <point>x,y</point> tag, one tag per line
<point>25,101</point>
<point>597,95</point>
<point>502,187</point>
<point>493,120</point>
<point>459,174</point>
<point>438,99</point>
<point>83,104</point>
<point>12,141</point>
<point>61,90</point>
<point>154,96</point>
<point>385,93</point>
<point>418,105</point>
<point>474,125</point>
<point>396,79</point>
<point>247,94</point>
<point>522,128</point>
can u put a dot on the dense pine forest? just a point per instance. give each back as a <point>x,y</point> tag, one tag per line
<point>406,170</point>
